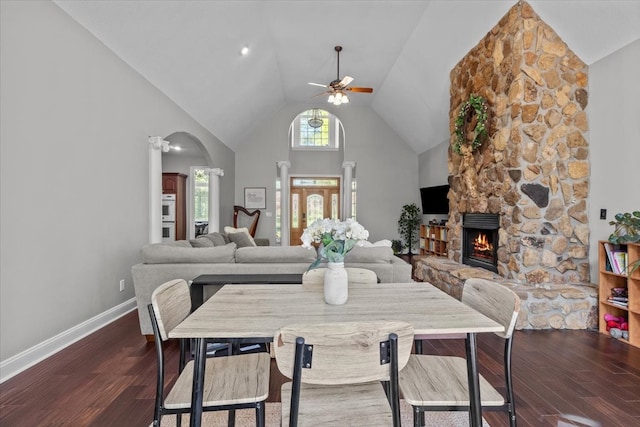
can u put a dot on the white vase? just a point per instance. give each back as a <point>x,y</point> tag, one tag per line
<point>336,284</point>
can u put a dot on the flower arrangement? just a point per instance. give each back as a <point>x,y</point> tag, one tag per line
<point>337,238</point>
<point>478,106</point>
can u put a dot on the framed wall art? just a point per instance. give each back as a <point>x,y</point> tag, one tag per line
<point>255,197</point>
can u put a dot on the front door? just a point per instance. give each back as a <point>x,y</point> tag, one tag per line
<point>311,199</point>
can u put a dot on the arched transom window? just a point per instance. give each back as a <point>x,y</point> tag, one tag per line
<point>315,129</point>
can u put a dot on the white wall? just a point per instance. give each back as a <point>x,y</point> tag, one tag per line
<point>614,140</point>
<point>74,123</point>
<point>434,171</point>
<point>386,167</point>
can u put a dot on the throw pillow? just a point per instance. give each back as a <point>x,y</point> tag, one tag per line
<point>242,240</point>
<point>243,230</point>
<point>201,242</point>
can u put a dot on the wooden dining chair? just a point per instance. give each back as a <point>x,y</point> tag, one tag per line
<point>440,383</point>
<point>230,383</point>
<point>337,369</point>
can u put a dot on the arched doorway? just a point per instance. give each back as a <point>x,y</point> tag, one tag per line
<point>314,184</point>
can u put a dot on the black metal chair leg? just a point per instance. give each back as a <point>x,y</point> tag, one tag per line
<point>232,418</point>
<point>260,414</point>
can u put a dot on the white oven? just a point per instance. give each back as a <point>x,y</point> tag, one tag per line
<point>168,208</point>
<point>168,217</point>
<point>168,231</point>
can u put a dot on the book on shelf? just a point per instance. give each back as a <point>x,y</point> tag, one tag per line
<point>614,260</point>
<point>618,303</point>
<point>620,258</point>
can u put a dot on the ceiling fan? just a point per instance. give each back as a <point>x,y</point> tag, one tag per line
<point>337,88</point>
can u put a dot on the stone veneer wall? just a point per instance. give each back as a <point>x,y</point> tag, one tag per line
<point>533,170</point>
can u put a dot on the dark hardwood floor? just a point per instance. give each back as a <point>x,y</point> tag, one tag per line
<point>107,379</point>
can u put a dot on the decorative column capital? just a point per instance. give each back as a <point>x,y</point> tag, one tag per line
<point>216,171</point>
<point>158,143</point>
<point>349,164</point>
<point>283,164</point>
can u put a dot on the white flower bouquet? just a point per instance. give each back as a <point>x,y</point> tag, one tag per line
<point>337,238</point>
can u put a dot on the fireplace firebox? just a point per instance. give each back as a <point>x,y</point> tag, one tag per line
<point>480,240</point>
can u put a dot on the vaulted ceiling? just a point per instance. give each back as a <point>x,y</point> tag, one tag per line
<point>190,50</point>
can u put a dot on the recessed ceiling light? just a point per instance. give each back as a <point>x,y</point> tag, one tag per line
<point>244,51</point>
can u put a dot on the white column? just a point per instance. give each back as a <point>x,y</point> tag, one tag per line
<point>214,198</point>
<point>284,202</point>
<point>156,146</point>
<point>347,184</point>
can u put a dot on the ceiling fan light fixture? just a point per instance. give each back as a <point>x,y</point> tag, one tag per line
<point>336,89</point>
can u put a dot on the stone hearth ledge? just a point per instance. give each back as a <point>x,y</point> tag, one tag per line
<point>544,305</point>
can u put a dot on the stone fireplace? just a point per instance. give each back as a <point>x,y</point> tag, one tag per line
<point>530,176</point>
<point>480,240</point>
<point>532,172</point>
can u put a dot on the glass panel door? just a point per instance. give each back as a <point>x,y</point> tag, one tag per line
<point>312,199</point>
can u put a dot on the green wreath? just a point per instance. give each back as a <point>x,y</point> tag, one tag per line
<point>478,106</point>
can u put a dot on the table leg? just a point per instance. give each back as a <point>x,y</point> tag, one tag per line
<point>475,407</point>
<point>198,383</point>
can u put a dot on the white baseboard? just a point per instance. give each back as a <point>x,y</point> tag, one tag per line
<point>26,359</point>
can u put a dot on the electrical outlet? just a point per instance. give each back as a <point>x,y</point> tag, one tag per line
<point>603,214</point>
<point>121,285</point>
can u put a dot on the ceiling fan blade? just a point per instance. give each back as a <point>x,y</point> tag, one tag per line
<point>317,84</point>
<point>322,93</point>
<point>346,80</point>
<point>360,89</point>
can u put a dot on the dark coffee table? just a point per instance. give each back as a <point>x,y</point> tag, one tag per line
<point>197,285</point>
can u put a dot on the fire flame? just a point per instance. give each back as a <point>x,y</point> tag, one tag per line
<point>481,243</point>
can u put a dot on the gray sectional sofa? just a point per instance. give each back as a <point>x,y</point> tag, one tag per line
<point>180,260</point>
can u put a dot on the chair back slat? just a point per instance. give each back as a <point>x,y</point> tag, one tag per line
<point>171,304</point>
<point>343,352</point>
<point>494,300</point>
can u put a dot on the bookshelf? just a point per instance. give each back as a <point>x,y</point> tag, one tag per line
<point>608,279</point>
<point>433,239</point>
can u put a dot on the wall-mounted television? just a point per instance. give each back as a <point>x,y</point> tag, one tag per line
<point>434,199</point>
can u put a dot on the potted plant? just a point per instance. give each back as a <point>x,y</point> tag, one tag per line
<point>627,230</point>
<point>408,225</point>
<point>396,245</point>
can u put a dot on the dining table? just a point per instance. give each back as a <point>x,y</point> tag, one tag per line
<point>253,313</point>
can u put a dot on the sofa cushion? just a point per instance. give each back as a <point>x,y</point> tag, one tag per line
<point>158,253</point>
<point>218,239</point>
<point>201,242</point>
<point>275,254</point>
<point>371,254</point>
